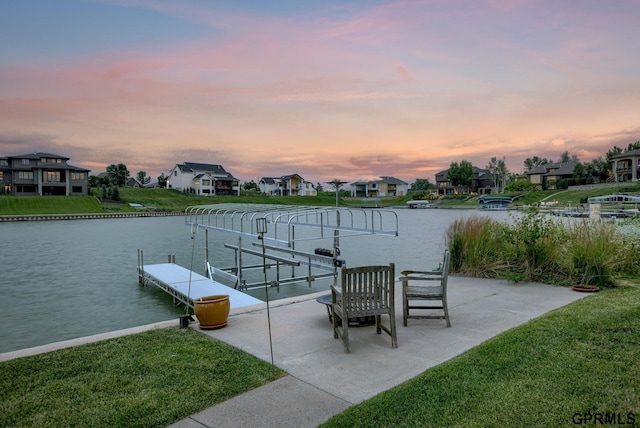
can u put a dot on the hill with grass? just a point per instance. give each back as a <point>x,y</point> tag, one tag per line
<point>168,200</point>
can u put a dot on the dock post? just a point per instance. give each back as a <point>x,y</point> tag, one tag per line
<point>140,267</point>
<point>206,251</point>
<point>239,262</point>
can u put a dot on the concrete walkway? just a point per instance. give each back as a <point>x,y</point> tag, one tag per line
<point>324,381</point>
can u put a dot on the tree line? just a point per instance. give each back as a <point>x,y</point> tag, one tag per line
<point>461,174</point>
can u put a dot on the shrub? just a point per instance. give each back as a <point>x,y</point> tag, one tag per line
<point>519,186</point>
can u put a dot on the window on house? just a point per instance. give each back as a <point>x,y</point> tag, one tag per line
<point>175,173</point>
<point>51,176</point>
<point>206,182</point>
<point>24,161</point>
<point>25,175</point>
<point>76,189</point>
<point>77,175</point>
<point>4,162</point>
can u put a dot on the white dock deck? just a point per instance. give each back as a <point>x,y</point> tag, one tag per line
<point>174,279</point>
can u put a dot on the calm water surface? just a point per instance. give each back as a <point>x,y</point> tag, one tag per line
<point>61,280</point>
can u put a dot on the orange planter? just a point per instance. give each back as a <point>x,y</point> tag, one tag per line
<point>212,311</point>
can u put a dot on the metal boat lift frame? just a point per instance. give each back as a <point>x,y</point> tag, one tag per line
<point>278,244</point>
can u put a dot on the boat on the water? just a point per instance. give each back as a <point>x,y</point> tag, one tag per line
<point>493,202</point>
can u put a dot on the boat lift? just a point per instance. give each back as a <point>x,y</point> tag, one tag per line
<point>287,226</point>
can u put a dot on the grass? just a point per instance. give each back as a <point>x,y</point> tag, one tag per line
<point>162,200</point>
<point>172,200</point>
<point>579,360</point>
<point>535,247</point>
<point>150,379</point>
<point>26,205</point>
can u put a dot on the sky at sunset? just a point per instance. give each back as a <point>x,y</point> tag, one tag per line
<point>325,89</point>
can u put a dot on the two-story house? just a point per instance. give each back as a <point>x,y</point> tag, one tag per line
<point>547,175</point>
<point>36,174</point>
<point>626,166</point>
<point>481,182</point>
<point>385,186</point>
<point>287,185</point>
<point>202,179</point>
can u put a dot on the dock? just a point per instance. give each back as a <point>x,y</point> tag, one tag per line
<point>185,286</point>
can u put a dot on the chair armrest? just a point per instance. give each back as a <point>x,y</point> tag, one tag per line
<point>336,289</point>
<point>419,272</point>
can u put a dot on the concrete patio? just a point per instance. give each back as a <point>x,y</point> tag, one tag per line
<point>323,381</point>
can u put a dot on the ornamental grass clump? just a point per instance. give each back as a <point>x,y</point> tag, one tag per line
<point>596,251</point>
<point>536,244</point>
<point>475,244</point>
<point>629,230</point>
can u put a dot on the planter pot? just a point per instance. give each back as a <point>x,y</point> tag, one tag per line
<point>585,288</point>
<point>212,311</point>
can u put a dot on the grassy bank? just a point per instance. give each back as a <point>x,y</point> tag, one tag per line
<point>171,200</point>
<point>150,379</point>
<point>161,200</point>
<point>577,362</point>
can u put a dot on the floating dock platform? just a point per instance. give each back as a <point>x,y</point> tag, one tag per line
<point>186,286</point>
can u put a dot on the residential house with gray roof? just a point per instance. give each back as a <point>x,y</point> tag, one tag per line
<point>481,183</point>
<point>626,166</point>
<point>384,186</point>
<point>286,185</point>
<point>203,179</point>
<point>37,174</point>
<point>546,176</point>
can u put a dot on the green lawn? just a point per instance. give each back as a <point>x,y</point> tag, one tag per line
<point>576,362</point>
<point>172,200</point>
<point>150,379</point>
<point>161,200</point>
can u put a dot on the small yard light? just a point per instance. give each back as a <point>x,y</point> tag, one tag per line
<point>261,228</point>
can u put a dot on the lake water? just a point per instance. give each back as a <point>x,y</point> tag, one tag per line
<point>61,280</point>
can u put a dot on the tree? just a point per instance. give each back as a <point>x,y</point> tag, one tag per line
<point>142,177</point>
<point>579,174</point>
<point>336,184</point>
<point>118,174</point>
<point>421,184</point>
<point>96,181</point>
<point>534,162</point>
<point>498,171</point>
<point>162,180</point>
<point>598,169</point>
<point>460,175</point>
<point>319,188</point>
<point>615,151</point>
<point>249,185</point>
<point>565,157</point>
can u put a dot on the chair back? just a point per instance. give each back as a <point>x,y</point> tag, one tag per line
<point>445,270</point>
<point>368,290</point>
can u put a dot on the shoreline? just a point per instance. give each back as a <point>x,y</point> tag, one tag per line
<point>89,216</point>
